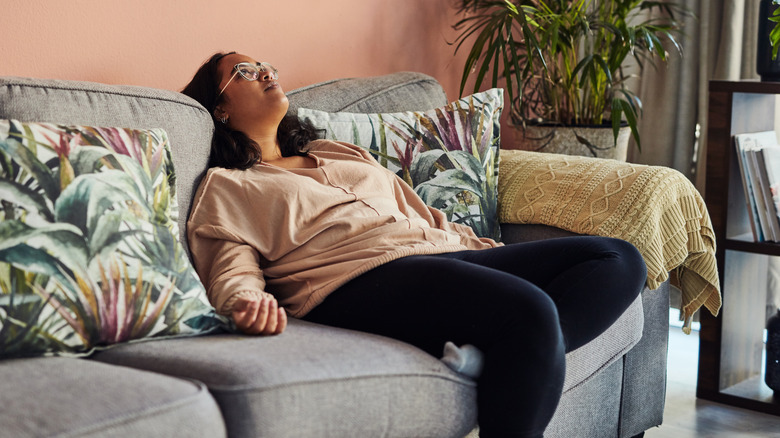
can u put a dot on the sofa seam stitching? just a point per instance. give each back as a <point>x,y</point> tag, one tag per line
<point>155,410</point>
<point>104,92</point>
<point>254,388</point>
<point>386,90</point>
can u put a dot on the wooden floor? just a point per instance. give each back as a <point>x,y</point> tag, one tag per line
<point>687,417</point>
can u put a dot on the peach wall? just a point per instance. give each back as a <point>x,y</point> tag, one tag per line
<point>161,43</point>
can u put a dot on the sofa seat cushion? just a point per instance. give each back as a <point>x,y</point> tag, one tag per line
<point>68,397</point>
<point>316,381</point>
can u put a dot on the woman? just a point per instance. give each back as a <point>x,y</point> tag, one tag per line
<point>285,223</point>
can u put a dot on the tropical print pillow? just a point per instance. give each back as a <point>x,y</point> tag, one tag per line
<point>89,249</point>
<point>449,155</point>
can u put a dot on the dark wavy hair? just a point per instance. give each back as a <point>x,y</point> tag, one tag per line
<point>233,149</point>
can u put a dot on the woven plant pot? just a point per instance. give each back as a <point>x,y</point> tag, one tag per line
<point>580,140</point>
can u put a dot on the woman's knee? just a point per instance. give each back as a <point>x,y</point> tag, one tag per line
<point>627,260</point>
<point>534,320</point>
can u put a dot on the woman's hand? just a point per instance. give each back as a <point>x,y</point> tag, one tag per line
<point>259,316</point>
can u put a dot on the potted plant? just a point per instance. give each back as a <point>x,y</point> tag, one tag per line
<point>767,64</point>
<point>564,64</point>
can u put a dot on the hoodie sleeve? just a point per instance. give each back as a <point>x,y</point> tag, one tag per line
<point>228,267</point>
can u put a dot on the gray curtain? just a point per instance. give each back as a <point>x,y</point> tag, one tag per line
<point>719,42</point>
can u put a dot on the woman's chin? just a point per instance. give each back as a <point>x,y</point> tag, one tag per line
<point>283,101</point>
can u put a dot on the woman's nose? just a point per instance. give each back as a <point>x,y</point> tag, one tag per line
<point>266,76</point>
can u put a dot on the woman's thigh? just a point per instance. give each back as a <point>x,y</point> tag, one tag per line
<point>429,300</point>
<point>546,262</point>
<point>581,284</point>
<point>591,279</point>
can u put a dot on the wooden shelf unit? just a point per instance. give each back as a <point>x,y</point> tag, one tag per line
<point>731,345</point>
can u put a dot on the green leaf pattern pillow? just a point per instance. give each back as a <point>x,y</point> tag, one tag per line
<point>89,249</point>
<point>449,155</point>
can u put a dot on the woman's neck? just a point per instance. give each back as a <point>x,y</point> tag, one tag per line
<point>269,146</point>
<point>294,162</point>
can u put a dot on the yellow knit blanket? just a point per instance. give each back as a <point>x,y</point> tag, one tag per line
<point>655,208</point>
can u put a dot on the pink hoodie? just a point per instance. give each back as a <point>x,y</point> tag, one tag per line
<point>299,234</point>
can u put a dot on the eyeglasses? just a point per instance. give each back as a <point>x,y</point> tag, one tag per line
<point>252,72</point>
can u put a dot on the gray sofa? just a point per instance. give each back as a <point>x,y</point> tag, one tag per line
<point>311,381</point>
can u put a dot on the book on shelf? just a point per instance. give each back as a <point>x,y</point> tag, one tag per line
<point>758,154</point>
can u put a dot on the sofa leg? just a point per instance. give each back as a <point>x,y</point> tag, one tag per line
<point>639,435</point>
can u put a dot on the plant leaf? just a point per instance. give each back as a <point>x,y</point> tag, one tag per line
<point>30,200</point>
<point>424,166</point>
<point>29,162</point>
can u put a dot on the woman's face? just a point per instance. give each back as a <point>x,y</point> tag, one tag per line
<point>249,105</point>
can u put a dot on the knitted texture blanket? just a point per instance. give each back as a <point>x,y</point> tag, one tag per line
<point>657,209</point>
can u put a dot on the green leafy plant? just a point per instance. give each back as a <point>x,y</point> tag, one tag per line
<point>563,62</point>
<point>774,35</point>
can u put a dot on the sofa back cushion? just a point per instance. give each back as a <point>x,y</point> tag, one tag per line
<point>402,91</point>
<point>187,124</point>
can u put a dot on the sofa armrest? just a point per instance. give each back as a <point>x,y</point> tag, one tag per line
<point>655,208</point>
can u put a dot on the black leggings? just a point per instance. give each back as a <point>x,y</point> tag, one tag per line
<point>523,305</point>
